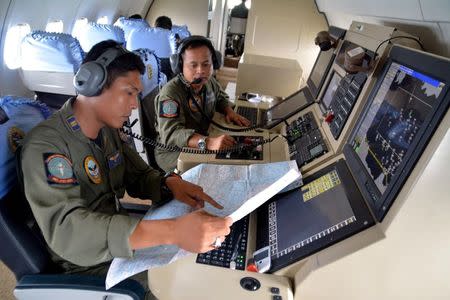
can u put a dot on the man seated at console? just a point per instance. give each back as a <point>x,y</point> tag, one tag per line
<point>76,166</point>
<point>179,105</point>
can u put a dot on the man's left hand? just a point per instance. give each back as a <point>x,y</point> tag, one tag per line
<point>189,193</point>
<point>237,119</point>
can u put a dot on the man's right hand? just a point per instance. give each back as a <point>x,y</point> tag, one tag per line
<point>220,142</point>
<point>197,231</point>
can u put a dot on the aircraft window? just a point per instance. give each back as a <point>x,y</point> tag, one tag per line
<point>77,26</point>
<point>13,40</point>
<point>54,26</point>
<point>102,20</point>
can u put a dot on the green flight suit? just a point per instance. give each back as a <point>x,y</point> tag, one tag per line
<point>72,184</point>
<point>177,117</point>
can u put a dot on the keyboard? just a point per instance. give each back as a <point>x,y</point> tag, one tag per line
<point>232,253</point>
<point>344,100</point>
<point>305,140</point>
<point>250,113</point>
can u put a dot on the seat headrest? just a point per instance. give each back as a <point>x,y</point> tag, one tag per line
<point>50,51</point>
<point>181,30</point>
<point>162,41</point>
<point>17,116</point>
<point>152,76</point>
<point>93,33</point>
<point>128,25</point>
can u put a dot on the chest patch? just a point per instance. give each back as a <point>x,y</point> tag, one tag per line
<point>192,106</point>
<point>58,169</point>
<point>92,169</point>
<point>169,109</point>
<point>114,160</point>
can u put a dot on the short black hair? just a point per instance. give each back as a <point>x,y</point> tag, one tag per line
<point>118,67</point>
<point>135,16</point>
<point>163,22</point>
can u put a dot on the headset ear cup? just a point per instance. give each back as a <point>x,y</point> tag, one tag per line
<point>217,59</point>
<point>175,63</point>
<point>90,79</point>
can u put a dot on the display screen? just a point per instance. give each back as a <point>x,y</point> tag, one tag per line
<point>401,105</point>
<point>331,89</point>
<point>400,117</point>
<point>319,71</point>
<point>261,255</point>
<point>327,208</point>
<point>288,107</point>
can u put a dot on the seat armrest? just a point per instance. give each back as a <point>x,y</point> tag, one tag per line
<point>68,287</point>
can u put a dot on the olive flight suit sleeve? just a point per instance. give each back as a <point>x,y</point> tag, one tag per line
<point>61,207</point>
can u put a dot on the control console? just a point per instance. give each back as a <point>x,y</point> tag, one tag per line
<point>247,148</point>
<point>305,139</point>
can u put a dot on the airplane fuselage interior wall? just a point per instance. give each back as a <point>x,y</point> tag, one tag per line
<point>401,250</point>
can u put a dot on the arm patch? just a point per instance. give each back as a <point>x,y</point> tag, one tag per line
<point>58,169</point>
<point>169,109</point>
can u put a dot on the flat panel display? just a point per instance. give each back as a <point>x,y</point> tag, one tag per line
<point>329,92</point>
<point>325,210</point>
<point>288,107</point>
<point>319,71</point>
<point>406,104</point>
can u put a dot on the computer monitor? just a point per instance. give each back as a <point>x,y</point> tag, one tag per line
<point>323,63</point>
<point>319,71</point>
<point>329,92</point>
<point>288,107</point>
<point>325,210</point>
<point>402,112</point>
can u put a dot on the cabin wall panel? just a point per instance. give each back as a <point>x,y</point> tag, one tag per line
<point>290,36</point>
<point>436,10</point>
<point>400,9</point>
<point>430,25</point>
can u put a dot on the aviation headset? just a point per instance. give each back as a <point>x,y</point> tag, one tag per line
<point>176,60</point>
<point>92,75</point>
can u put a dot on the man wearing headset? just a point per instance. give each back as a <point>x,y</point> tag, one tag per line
<point>179,104</point>
<point>76,167</point>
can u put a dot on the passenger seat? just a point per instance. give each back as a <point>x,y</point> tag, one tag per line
<point>49,62</point>
<point>93,33</point>
<point>161,41</point>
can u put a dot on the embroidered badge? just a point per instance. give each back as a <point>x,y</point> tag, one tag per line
<point>192,105</point>
<point>169,109</point>
<point>114,160</point>
<point>58,169</point>
<point>15,134</point>
<point>92,169</point>
<point>149,72</point>
<point>73,123</point>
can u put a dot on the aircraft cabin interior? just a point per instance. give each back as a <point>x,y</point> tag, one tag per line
<point>357,93</point>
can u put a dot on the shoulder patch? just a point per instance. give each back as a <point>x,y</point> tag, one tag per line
<point>59,169</point>
<point>92,169</point>
<point>15,134</point>
<point>169,109</point>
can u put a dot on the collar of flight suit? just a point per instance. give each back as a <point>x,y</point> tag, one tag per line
<point>70,122</point>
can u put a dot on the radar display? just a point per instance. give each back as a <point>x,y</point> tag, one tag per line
<point>401,105</point>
